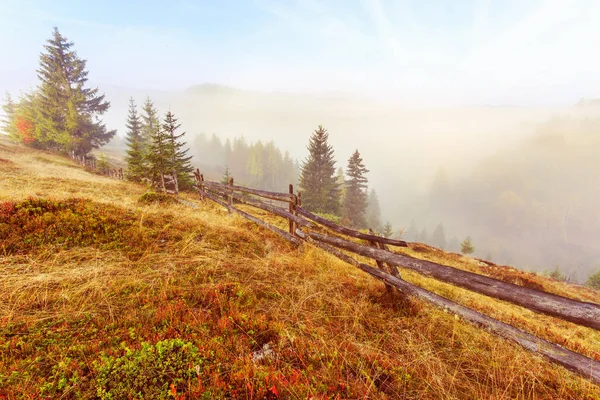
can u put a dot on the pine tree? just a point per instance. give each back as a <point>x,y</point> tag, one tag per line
<point>413,231</point>
<point>373,212</point>
<point>159,158</point>
<point>594,281</point>
<point>103,166</point>
<point>136,163</point>
<point>226,176</point>
<point>438,237</point>
<point>8,123</point>
<point>341,181</point>
<point>179,165</point>
<point>466,247</point>
<point>355,200</point>
<point>154,145</point>
<point>68,111</point>
<point>387,230</point>
<point>150,124</point>
<point>318,183</point>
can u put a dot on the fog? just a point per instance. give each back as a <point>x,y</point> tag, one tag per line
<point>523,182</point>
<point>467,114</point>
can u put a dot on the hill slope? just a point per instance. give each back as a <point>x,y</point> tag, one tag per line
<point>104,296</point>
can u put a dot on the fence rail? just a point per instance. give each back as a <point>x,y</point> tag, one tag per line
<point>579,312</point>
<point>90,162</point>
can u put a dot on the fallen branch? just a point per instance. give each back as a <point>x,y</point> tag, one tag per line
<point>349,232</point>
<point>572,361</point>
<point>579,312</point>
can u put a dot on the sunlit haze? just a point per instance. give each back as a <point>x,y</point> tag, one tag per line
<point>420,52</point>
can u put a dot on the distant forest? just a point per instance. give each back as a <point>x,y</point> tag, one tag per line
<point>261,165</point>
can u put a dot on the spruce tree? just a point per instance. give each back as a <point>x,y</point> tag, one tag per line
<point>438,237</point>
<point>159,158</point>
<point>103,166</point>
<point>179,165</point>
<point>226,176</point>
<point>355,198</point>
<point>136,163</point>
<point>373,212</point>
<point>318,183</point>
<point>68,111</point>
<point>150,124</point>
<point>8,123</point>
<point>594,281</point>
<point>154,146</point>
<point>466,247</point>
<point>387,230</point>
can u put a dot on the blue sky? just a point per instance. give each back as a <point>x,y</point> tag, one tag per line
<point>429,51</point>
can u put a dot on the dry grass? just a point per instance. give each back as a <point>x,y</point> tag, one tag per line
<point>230,287</point>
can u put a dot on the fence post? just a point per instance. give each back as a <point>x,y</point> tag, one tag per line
<point>199,179</point>
<point>299,203</point>
<point>230,197</point>
<point>292,209</point>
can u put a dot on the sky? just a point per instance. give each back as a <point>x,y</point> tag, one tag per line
<point>459,52</point>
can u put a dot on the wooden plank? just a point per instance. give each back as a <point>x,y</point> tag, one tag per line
<point>262,193</point>
<point>579,312</point>
<point>270,208</point>
<point>580,364</point>
<point>257,221</point>
<point>349,232</point>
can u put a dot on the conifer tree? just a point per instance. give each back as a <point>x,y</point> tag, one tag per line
<point>156,154</point>
<point>159,157</point>
<point>355,199</point>
<point>179,165</point>
<point>373,212</point>
<point>318,183</point>
<point>438,237</point>
<point>136,163</point>
<point>387,230</point>
<point>150,124</point>
<point>68,111</point>
<point>341,181</point>
<point>8,123</point>
<point>413,231</point>
<point>466,247</point>
<point>102,166</point>
<point>226,176</point>
<point>594,281</point>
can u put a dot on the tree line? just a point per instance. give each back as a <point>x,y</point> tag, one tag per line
<point>260,165</point>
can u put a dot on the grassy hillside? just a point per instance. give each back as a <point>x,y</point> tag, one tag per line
<point>103,296</point>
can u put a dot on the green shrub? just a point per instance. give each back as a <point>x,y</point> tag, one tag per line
<point>153,197</point>
<point>152,372</point>
<point>33,223</point>
<point>594,281</point>
<point>331,217</point>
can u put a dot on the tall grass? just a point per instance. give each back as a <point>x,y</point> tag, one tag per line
<point>224,288</point>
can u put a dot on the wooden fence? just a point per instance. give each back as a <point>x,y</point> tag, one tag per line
<point>90,162</point>
<point>305,226</point>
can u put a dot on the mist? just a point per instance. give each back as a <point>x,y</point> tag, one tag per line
<point>468,116</point>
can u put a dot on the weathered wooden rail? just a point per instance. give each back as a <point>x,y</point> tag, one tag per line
<point>579,312</point>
